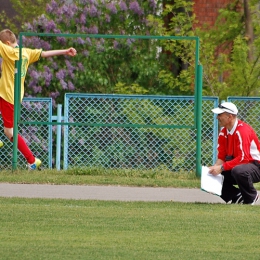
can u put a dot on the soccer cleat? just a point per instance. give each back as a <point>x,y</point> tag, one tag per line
<point>1,143</point>
<point>256,199</point>
<point>238,199</point>
<point>36,165</point>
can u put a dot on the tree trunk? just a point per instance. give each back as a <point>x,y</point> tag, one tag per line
<point>249,33</point>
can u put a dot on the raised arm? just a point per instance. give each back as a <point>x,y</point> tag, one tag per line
<point>70,52</point>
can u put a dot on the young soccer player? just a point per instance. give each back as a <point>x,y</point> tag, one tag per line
<point>9,52</point>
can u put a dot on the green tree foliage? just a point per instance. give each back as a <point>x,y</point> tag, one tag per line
<point>243,50</point>
<point>233,67</point>
<point>155,67</point>
<point>229,56</point>
<point>103,65</point>
<point>25,11</point>
<point>229,52</point>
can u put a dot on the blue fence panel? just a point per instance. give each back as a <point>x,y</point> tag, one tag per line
<point>136,132</point>
<point>38,137</point>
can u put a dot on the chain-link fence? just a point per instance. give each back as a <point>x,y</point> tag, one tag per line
<point>38,137</point>
<point>248,110</point>
<point>123,131</point>
<point>135,132</point>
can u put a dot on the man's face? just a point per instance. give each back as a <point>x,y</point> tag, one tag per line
<point>224,119</point>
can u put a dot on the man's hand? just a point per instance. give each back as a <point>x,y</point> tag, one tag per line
<point>215,170</point>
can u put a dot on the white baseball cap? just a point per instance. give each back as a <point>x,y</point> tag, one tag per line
<point>225,107</point>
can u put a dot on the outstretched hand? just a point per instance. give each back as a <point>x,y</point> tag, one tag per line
<point>71,52</point>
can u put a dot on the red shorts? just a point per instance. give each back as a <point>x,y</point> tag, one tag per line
<point>7,110</point>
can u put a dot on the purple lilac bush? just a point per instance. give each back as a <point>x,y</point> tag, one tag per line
<point>101,64</point>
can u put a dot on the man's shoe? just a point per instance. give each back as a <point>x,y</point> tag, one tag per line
<point>256,199</point>
<point>36,165</point>
<point>238,199</point>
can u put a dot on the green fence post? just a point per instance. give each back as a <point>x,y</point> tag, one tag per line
<point>16,114</point>
<point>198,120</point>
<point>197,82</point>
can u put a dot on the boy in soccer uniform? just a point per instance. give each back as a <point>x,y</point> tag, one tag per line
<point>9,52</point>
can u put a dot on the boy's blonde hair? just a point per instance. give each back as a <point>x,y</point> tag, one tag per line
<point>7,35</point>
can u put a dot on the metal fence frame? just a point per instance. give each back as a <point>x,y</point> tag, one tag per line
<point>197,82</point>
<point>38,136</point>
<point>69,101</point>
<point>248,111</point>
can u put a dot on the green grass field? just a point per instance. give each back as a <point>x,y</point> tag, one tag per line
<point>65,229</point>
<point>151,178</point>
<point>70,229</point>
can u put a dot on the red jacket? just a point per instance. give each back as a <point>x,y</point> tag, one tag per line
<point>242,143</point>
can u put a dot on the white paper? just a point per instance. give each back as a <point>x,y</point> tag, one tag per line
<point>210,183</point>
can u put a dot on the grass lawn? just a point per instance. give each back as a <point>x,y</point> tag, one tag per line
<point>66,229</point>
<point>70,229</point>
<point>137,178</point>
<point>151,178</point>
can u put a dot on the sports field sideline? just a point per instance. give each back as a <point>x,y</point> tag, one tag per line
<point>117,193</point>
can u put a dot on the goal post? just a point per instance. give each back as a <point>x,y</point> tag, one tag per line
<point>197,84</point>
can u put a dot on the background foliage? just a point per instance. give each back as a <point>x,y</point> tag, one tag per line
<point>102,65</point>
<point>141,67</point>
<point>225,48</point>
<point>229,55</point>
<point>24,11</point>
